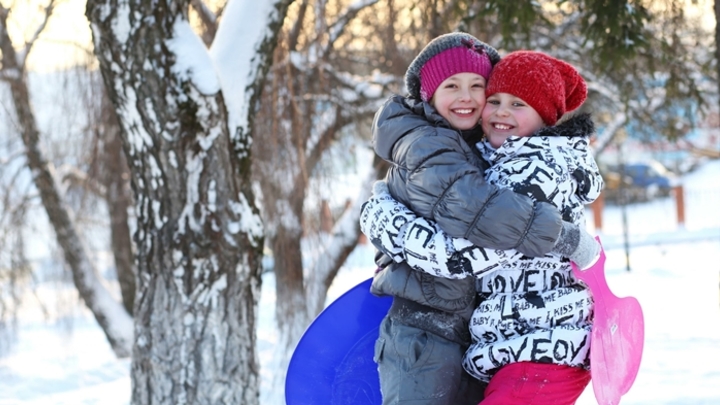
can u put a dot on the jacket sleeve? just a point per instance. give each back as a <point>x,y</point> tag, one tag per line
<point>445,184</point>
<point>421,243</point>
<point>397,117</point>
<point>428,248</point>
<point>587,175</point>
<point>382,220</point>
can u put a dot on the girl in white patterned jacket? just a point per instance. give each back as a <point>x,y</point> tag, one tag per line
<point>533,323</point>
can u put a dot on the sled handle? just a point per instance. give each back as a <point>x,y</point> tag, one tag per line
<point>594,276</point>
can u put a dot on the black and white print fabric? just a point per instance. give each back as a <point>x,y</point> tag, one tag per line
<point>555,169</point>
<point>396,231</point>
<point>532,309</point>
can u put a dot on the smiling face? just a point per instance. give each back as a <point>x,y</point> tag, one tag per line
<point>460,99</point>
<point>505,115</point>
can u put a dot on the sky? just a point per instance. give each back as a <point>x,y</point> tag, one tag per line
<point>62,357</point>
<point>66,40</point>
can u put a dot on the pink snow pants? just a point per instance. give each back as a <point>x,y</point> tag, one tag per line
<point>527,383</point>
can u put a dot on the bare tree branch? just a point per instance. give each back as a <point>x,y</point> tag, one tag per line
<point>208,18</point>
<point>116,324</point>
<point>338,27</point>
<point>76,177</point>
<point>341,242</point>
<point>297,27</point>
<point>48,10</point>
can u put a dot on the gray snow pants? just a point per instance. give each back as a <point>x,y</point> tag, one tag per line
<point>417,367</point>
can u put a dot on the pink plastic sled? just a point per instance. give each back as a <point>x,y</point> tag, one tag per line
<point>618,335</point>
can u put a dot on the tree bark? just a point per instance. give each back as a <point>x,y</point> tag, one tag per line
<point>716,5</point>
<point>199,236</point>
<point>115,178</point>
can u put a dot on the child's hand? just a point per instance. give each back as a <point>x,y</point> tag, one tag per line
<point>587,252</point>
<point>577,245</point>
<point>380,187</point>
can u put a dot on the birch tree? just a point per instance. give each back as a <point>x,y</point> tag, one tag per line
<point>186,114</point>
<point>110,315</point>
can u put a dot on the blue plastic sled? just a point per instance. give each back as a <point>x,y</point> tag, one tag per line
<point>333,362</point>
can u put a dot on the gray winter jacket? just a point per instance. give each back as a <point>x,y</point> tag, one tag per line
<point>438,175</point>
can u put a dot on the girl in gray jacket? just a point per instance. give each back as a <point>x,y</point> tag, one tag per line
<point>534,319</point>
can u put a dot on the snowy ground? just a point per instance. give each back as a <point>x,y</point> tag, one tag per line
<point>675,274</point>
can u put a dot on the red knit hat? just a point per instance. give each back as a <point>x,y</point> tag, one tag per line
<point>550,86</point>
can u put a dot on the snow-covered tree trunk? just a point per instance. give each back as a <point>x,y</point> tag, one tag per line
<point>199,237</point>
<point>110,315</point>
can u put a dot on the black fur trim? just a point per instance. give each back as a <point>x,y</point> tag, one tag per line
<point>578,125</point>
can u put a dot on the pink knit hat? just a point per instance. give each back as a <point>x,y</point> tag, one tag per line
<point>551,86</point>
<point>444,56</point>
<point>449,62</point>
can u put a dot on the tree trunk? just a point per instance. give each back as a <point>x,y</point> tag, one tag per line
<point>114,321</point>
<point>303,114</point>
<point>199,237</point>
<point>115,178</point>
<point>717,42</point>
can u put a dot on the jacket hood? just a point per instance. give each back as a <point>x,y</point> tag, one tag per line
<point>577,125</point>
<point>400,116</point>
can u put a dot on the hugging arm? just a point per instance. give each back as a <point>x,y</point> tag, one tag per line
<point>404,236</point>
<point>437,175</point>
<point>546,181</point>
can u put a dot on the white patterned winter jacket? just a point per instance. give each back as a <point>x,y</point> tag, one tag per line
<point>532,308</point>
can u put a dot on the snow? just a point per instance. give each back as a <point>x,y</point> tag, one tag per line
<point>675,274</point>
<point>193,59</point>
<point>121,24</point>
<point>234,49</point>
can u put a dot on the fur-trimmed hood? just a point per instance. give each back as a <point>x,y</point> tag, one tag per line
<point>577,125</point>
<point>565,147</point>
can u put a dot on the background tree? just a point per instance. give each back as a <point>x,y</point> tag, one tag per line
<point>716,9</point>
<point>83,170</point>
<point>641,59</point>
<point>199,237</point>
<point>110,169</point>
<point>110,315</point>
<point>315,94</point>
